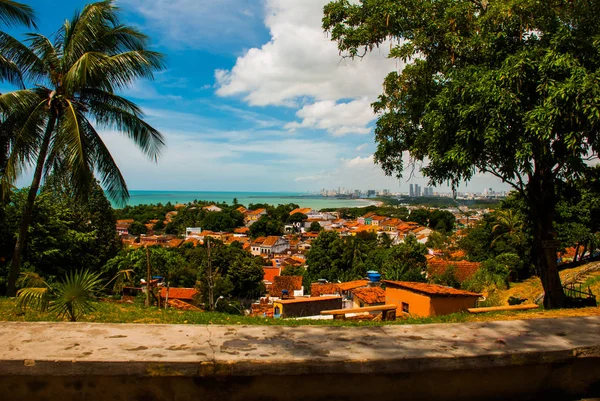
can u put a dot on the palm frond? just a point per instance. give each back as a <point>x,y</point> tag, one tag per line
<point>45,62</point>
<point>111,178</point>
<point>84,31</point>
<point>75,294</point>
<point>112,115</point>
<point>37,298</point>
<point>120,279</point>
<point>13,13</point>
<point>24,125</point>
<point>71,140</point>
<point>31,279</point>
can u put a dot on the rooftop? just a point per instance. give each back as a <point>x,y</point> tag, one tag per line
<point>431,289</point>
<point>370,295</point>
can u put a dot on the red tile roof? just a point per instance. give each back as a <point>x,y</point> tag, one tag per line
<point>270,240</point>
<point>256,212</point>
<point>372,295</point>
<point>303,210</point>
<point>349,285</point>
<point>462,269</point>
<point>271,273</point>
<point>318,289</point>
<point>431,289</point>
<point>178,293</point>
<point>290,283</point>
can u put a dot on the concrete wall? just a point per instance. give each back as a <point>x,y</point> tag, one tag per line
<point>552,359</point>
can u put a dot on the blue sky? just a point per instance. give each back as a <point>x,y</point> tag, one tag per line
<point>255,98</point>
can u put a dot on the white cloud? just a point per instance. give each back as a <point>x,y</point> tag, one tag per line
<point>362,147</point>
<point>199,24</point>
<point>359,162</point>
<point>301,66</point>
<point>337,118</point>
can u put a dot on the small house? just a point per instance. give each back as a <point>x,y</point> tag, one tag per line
<point>422,299</point>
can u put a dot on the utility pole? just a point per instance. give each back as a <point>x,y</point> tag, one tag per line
<point>148,277</point>
<point>211,294</point>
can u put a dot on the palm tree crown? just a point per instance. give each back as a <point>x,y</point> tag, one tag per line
<point>78,74</point>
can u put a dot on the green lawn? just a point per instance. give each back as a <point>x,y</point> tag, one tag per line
<point>110,312</point>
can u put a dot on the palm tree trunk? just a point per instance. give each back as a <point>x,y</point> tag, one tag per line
<point>15,267</point>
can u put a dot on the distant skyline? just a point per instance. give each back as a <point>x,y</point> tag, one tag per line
<point>255,98</point>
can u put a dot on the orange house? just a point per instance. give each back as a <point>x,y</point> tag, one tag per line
<point>422,299</point>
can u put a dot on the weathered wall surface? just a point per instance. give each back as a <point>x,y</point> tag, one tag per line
<point>531,359</point>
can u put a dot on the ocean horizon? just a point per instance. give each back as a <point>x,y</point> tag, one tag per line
<point>141,197</point>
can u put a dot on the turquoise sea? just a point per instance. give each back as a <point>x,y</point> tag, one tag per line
<point>244,198</point>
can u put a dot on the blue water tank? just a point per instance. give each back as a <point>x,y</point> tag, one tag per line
<point>373,276</point>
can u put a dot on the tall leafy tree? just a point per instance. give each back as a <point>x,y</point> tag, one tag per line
<point>79,71</point>
<point>505,87</point>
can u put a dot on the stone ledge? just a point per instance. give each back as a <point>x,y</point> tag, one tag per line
<point>563,353</point>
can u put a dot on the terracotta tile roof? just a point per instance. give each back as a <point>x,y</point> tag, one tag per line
<point>270,240</point>
<point>372,295</point>
<point>370,214</point>
<point>462,269</point>
<point>125,221</point>
<point>378,218</point>
<point>241,209</point>
<point>271,273</point>
<point>178,293</point>
<point>318,289</point>
<point>179,205</point>
<point>290,283</point>
<point>241,230</point>
<point>256,212</point>
<point>431,289</point>
<point>350,285</point>
<point>305,299</point>
<point>304,210</point>
<point>259,240</point>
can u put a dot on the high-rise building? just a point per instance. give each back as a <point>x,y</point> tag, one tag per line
<point>411,190</point>
<point>417,190</point>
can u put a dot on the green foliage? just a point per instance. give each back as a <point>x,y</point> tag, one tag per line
<point>144,213</point>
<point>336,258</point>
<point>72,297</point>
<point>448,278</point>
<point>315,227</point>
<point>508,88</point>
<point>66,232</point>
<point>406,262</point>
<point>159,225</point>
<point>136,228</point>
<point>266,226</point>
<point>293,271</point>
<point>492,275</point>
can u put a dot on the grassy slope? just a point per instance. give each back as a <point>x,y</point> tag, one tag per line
<point>532,287</point>
<point>109,312</point>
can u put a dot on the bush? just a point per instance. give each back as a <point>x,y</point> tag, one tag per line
<point>492,275</point>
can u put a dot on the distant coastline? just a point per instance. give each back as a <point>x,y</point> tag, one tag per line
<point>139,197</point>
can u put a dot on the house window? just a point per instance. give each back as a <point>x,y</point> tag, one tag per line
<point>405,307</point>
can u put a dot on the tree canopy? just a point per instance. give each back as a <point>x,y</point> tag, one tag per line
<point>508,88</point>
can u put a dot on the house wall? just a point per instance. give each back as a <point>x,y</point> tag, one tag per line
<point>310,308</point>
<point>446,305</point>
<point>419,305</point>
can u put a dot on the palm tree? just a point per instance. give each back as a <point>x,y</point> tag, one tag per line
<point>72,297</point>
<point>91,57</point>
<point>508,225</point>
